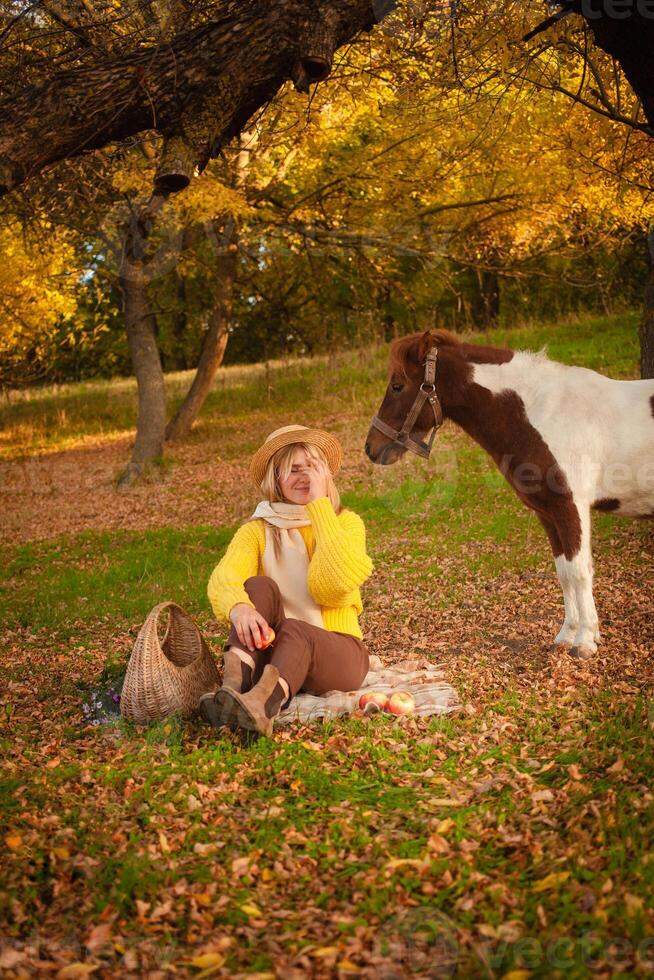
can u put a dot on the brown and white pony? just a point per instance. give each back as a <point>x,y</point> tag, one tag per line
<point>567,439</point>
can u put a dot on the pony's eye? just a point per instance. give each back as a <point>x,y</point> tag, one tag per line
<point>397,387</point>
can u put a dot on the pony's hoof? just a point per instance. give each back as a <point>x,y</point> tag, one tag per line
<point>582,653</point>
<point>561,646</point>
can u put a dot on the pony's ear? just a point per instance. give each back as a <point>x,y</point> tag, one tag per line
<point>426,342</point>
<point>438,337</point>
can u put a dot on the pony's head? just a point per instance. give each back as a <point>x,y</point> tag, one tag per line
<point>408,391</point>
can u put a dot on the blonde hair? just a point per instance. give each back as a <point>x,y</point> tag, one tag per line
<point>279,469</point>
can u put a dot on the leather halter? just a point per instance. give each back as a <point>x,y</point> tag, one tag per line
<point>426,393</point>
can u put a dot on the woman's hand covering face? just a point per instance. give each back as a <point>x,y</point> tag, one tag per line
<point>307,481</point>
<point>319,480</point>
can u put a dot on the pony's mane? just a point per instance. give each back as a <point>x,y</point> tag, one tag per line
<point>405,350</point>
<point>401,348</point>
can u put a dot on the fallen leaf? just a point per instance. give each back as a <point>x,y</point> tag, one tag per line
<point>161,911</point>
<point>510,931</point>
<point>543,796</point>
<point>130,960</point>
<point>251,910</point>
<point>405,862</point>
<point>208,963</point>
<point>10,957</point>
<point>98,936</point>
<point>348,966</point>
<point>76,971</point>
<point>551,881</point>
<point>240,866</point>
<point>633,903</point>
<point>438,844</point>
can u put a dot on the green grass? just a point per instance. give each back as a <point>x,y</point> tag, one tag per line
<point>117,576</point>
<point>608,344</point>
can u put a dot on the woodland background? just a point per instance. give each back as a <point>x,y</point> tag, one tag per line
<point>462,165</point>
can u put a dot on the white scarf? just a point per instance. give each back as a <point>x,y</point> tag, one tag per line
<point>291,570</point>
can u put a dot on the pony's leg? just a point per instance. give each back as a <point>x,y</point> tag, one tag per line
<point>566,635</point>
<point>578,572</point>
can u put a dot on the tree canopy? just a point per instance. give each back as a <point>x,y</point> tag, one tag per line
<point>460,163</point>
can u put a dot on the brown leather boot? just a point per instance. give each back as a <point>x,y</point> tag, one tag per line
<point>254,710</point>
<point>237,676</point>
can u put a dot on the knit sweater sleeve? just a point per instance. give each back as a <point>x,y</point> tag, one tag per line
<point>339,564</point>
<point>240,562</point>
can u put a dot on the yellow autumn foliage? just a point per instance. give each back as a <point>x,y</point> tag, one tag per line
<point>424,155</point>
<point>38,286</point>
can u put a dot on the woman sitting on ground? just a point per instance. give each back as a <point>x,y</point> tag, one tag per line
<point>295,567</point>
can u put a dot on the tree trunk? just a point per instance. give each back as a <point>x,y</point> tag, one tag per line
<point>180,320</point>
<point>180,323</point>
<point>215,341</point>
<point>390,327</point>
<point>646,329</point>
<point>197,89</point>
<point>141,327</point>
<point>486,304</point>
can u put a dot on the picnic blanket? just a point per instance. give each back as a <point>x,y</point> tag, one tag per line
<point>432,694</point>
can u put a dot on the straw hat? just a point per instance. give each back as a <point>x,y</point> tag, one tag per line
<point>286,436</point>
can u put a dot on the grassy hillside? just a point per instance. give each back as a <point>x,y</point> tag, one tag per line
<point>55,417</point>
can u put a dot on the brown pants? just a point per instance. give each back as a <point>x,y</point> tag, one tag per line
<point>307,657</point>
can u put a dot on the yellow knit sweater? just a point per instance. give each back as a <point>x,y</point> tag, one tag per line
<point>338,565</point>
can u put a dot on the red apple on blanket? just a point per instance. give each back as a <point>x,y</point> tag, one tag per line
<point>401,703</point>
<point>372,701</point>
<point>268,641</point>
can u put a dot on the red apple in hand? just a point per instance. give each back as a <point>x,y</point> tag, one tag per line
<point>373,701</point>
<point>401,703</point>
<point>269,640</point>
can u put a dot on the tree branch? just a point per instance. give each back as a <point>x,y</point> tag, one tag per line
<point>199,89</point>
<point>549,22</point>
<point>627,36</point>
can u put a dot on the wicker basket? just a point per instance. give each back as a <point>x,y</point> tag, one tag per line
<point>170,675</point>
